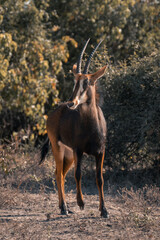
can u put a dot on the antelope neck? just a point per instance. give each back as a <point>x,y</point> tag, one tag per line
<point>90,107</point>
<point>91,96</point>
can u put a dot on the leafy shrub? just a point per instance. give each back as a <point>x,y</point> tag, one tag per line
<point>29,64</point>
<point>131,105</point>
<point>123,24</point>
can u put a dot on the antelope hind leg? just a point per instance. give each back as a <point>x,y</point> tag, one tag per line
<point>58,153</point>
<point>99,180</point>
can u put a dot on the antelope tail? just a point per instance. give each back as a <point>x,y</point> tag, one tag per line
<point>44,150</point>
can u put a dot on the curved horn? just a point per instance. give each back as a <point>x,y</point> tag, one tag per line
<point>80,57</point>
<point>90,57</point>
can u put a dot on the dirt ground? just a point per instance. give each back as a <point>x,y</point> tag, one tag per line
<point>29,207</point>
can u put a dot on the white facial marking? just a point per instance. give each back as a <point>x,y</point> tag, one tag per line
<point>80,96</point>
<point>74,85</point>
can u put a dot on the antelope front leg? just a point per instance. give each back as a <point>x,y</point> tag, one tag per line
<point>77,174</point>
<point>99,180</point>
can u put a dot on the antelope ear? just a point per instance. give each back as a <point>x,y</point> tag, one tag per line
<point>95,76</point>
<point>75,68</point>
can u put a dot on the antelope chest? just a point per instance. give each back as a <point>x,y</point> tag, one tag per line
<point>78,130</point>
<point>93,140</point>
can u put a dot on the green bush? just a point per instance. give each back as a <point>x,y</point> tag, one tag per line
<point>123,24</point>
<point>132,110</point>
<point>29,64</point>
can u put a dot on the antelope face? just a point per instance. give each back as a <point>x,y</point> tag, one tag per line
<point>79,94</point>
<point>84,87</point>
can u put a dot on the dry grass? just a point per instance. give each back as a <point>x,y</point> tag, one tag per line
<point>29,203</point>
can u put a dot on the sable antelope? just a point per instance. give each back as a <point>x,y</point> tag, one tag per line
<point>76,127</point>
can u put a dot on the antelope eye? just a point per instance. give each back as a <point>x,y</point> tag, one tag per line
<point>85,84</point>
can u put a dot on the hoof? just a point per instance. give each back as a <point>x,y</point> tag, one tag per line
<point>64,210</point>
<point>80,204</point>
<point>81,207</point>
<point>70,212</point>
<point>104,213</point>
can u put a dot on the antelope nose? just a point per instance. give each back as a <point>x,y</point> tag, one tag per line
<point>70,104</point>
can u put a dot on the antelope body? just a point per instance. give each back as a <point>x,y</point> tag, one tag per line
<point>77,127</point>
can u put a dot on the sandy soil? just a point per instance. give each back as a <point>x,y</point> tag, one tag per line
<point>36,216</point>
<point>29,205</point>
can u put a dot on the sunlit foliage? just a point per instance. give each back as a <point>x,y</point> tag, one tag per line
<point>29,64</point>
<point>122,24</point>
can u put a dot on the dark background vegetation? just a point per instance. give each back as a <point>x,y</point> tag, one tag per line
<point>41,40</point>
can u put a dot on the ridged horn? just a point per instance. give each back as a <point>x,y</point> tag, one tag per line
<point>90,57</point>
<point>80,57</point>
